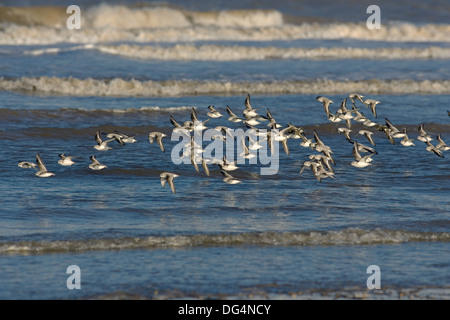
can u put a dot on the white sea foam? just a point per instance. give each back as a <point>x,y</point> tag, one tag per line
<point>350,236</point>
<point>134,110</point>
<point>55,50</point>
<point>404,32</point>
<point>125,18</point>
<point>115,23</point>
<point>213,52</point>
<point>229,53</point>
<point>170,88</point>
<point>259,293</point>
<point>142,17</point>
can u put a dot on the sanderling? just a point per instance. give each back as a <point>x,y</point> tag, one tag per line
<point>307,143</point>
<point>335,117</point>
<point>345,114</point>
<point>249,112</point>
<point>326,104</point>
<point>227,166</point>
<point>158,136</point>
<point>102,145</point>
<point>386,131</point>
<point>66,160</point>
<point>96,165</point>
<point>213,113</point>
<point>121,137</point>
<point>281,136</point>
<point>368,134</point>
<point>318,170</point>
<point>369,123</point>
<point>360,162</point>
<point>363,148</point>
<point>423,135</point>
<point>42,172</point>
<point>324,159</point>
<point>346,132</point>
<point>359,116</point>
<point>254,144</point>
<point>246,154</point>
<point>295,132</point>
<point>168,177</point>
<point>321,147</point>
<point>431,148</point>
<point>26,164</point>
<point>372,103</point>
<point>194,153</point>
<point>177,127</point>
<point>354,96</point>
<point>205,167</point>
<point>197,125</point>
<point>272,123</point>
<point>233,117</point>
<point>229,178</point>
<point>407,142</point>
<point>225,132</point>
<point>251,121</point>
<point>441,144</point>
<point>392,132</point>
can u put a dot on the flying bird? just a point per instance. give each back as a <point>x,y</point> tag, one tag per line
<point>42,172</point>
<point>326,104</point>
<point>65,160</point>
<point>102,145</point>
<point>158,136</point>
<point>168,177</point>
<point>96,165</point>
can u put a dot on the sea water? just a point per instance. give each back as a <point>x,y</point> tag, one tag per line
<point>282,236</point>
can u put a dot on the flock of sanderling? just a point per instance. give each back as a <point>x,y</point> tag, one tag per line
<point>320,163</point>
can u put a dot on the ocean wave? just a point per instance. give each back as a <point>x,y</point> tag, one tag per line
<point>40,123</point>
<point>122,17</point>
<point>260,293</point>
<point>171,88</point>
<point>55,50</point>
<point>108,23</point>
<point>150,109</point>
<point>236,53</point>
<point>350,236</point>
<point>398,32</point>
<point>144,17</point>
<point>68,112</point>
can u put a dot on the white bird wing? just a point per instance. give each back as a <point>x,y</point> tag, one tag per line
<point>391,127</point>
<point>98,138</point>
<point>205,167</point>
<point>248,106</point>
<point>40,163</point>
<point>171,183</point>
<point>160,143</point>
<point>231,113</point>
<point>356,153</point>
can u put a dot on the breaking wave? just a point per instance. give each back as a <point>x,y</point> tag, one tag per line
<point>132,17</point>
<point>109,23</point>
<point>87,112</point>
<point>351,236</point>
<point>171,88</point>
<point>149,109</point>
<point>235,53</point>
